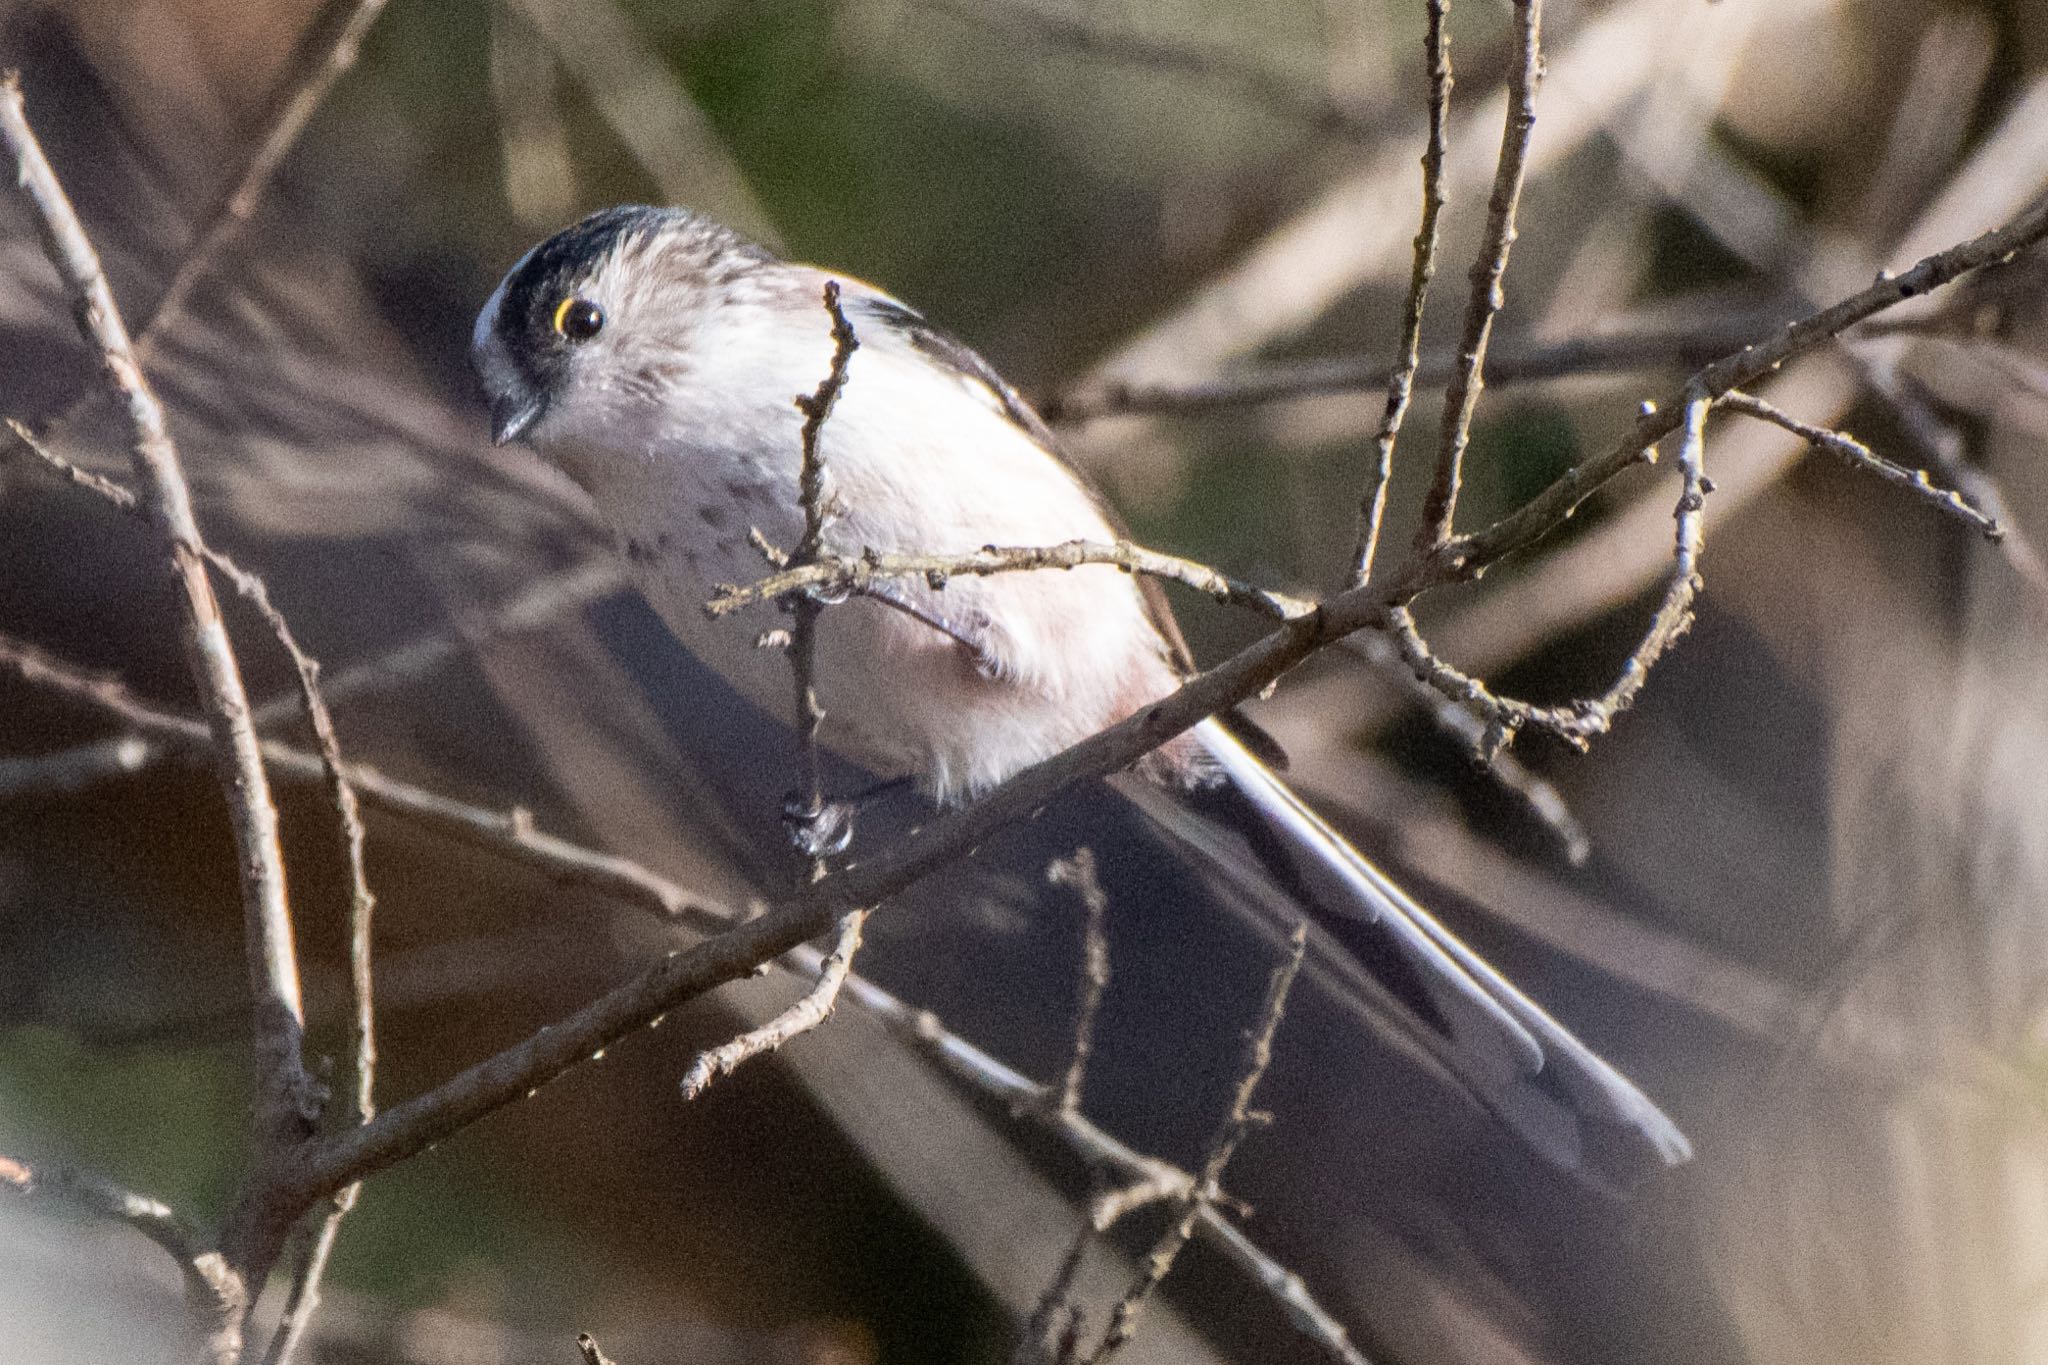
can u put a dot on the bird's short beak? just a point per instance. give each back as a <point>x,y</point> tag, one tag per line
<point>513,413</point>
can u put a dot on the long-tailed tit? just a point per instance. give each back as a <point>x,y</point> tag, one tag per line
<point>655,356</point>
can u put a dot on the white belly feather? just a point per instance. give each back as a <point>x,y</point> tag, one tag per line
<point>915,466</point>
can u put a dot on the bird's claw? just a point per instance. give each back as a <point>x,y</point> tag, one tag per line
<point>818,829</point>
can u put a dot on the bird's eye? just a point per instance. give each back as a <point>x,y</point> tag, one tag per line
<point>578,319</point>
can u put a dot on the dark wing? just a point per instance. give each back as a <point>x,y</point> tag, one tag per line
<point>950,353</point>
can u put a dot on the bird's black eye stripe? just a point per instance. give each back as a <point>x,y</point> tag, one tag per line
<point>578,319</point>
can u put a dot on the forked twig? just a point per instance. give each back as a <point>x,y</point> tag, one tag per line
<point>1461,399</point>
<point>1229,1134</point>
<point>1436,46</point>
<point>806,1014</point>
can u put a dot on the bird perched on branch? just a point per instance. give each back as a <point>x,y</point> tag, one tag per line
<point>656,356</point>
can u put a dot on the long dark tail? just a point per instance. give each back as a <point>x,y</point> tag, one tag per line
<point>1576,1109</point>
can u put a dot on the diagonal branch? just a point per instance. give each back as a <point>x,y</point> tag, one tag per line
<point>1857,455</point>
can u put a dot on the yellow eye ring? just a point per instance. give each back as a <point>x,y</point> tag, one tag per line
<point>578,319</point>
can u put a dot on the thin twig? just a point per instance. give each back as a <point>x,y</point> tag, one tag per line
<point>1078,872</point>
<point>303,1300</point>
<point>806,1014</point>
<point>808,817</point>
<point>540,605</point>
<point>1628,351</point>
<point>97,1195</point>
<point>1579,721</point>
<point>328,49</point>
<point>1149,1177</point>
<point>283,1107</point>
<point>837,576</point>
<point>112,490</point>
<point>1860,456</point>
<point>1051,1334</point>
<point>812,494</point>
<point>1053,1328</point>
<point>1466,555</point>
<point>1536,794</point>
<point>568,864</point>
<point>341,795</point>
<point>214,1293</point>
<point>1461,398</point>
<point>1942,448</point>
<point>1229,1134</point>
<point>1436,47</point>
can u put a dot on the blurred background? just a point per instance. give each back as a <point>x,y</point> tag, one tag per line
<point>1811,921</point>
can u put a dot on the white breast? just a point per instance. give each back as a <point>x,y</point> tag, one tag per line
<point>917,462</point>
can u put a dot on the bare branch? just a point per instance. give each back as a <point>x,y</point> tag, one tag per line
<point>1534,793</point>
<point>835,576</point>
<point>505,832</point>
<point>1579,721</point>
<point>212,1291</point>
<point>1628,350</point>
<point>1942,448</point>
<point>284,1091</point>
<point>327,50</point>
<point>806,1014</point>
<point>304,1299</point>
<point>1461,399</point>
<point>1860,456</point>
<point>1144,1179</point>
<point>1436,46</point>
<point>1078,872</point>
<point>1464,556</point>
<point>95,1194</point>
<point>1229,1134</point>
<point>112,490</point>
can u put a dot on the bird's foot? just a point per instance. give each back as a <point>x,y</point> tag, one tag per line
<point>818,829</point>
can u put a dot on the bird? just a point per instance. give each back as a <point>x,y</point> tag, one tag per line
<point>655,356</point>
